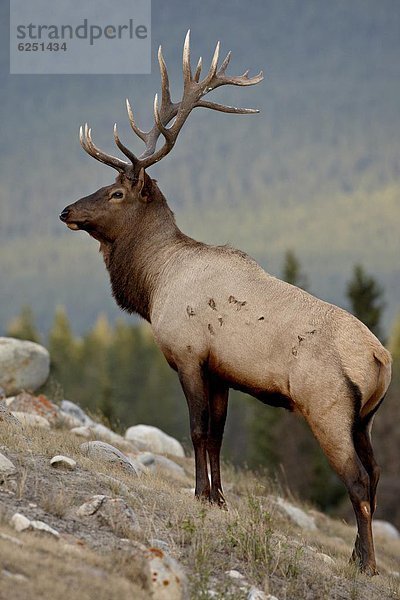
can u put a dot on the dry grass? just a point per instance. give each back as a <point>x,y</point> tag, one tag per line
<point>45,568</point>
<point>253,537</point>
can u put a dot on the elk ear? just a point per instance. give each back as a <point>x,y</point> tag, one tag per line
<point>141,187</point>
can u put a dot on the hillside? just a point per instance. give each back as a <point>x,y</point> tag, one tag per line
<point>116,531</point>
<point>317,171</point>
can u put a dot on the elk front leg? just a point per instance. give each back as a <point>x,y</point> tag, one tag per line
<point>218,402</point>
<point>195,388</point>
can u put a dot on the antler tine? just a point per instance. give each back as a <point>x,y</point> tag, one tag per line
<point>187,71</point>
<point>226,108</point>
<point>165,93</point>
<point>139,132</point>
<point>166,132</point>
<point>241,79</point>
<point>225,63</point>
<point>85,137</point>
<point>128,153</point>
<point>213,67</point>
<point>198,70</point>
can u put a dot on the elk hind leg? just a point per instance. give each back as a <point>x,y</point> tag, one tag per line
<point>334,434</point>
<point>363,445</point>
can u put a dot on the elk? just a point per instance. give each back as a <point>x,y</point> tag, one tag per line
<point>222,322</point>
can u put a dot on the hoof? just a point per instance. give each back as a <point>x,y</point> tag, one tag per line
<point>367,569</point>
<point>218,499</point>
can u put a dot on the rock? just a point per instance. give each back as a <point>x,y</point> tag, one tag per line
<point>160,544</point>
<point>91,506</point>
<point>42,527</point>
<point>107,434</point>
<point>35,405</point>
<point>82,431</point>
<point>6,467</point>
<point>113,513</point>
<point>153,439</point>
<point>75,411</point>
<point>158,463</point>
<point>384,529</point>
<point>256,594</point>
<point>99,431</point>
<point>63,462</point>
<point>20,522</point>
<point>7,416</point>
<point>168,579</point>
<point>296,515</point>
<point>326,558</point>
<point>67,420</point>
<point>16,576</point>
<point>23,365</point>
<point>234,574</point>
<point>106,452</point>
<point>31,420</point>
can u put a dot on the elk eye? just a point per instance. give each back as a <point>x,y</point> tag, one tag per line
<point>117,195</point>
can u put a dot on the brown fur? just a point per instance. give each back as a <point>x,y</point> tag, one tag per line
<point>222,322</point>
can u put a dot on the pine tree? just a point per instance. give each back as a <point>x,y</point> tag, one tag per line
<point>23,326</point>
<point>292,272</point>
<point>64,348</point>
<point>365,296</point>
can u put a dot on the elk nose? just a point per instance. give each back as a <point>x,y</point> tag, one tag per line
<point>64,214</point>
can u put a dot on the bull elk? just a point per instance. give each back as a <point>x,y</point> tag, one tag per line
<point>222,322</point>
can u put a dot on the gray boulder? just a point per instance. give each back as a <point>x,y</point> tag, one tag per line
<point>23,365</point>
<point>150,438</point>
<point>75,411</point>
<point>97,450</point>
<point>384,529</point>
<point>160,464</point>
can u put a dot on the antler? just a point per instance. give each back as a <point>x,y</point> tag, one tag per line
<point>166,111</point>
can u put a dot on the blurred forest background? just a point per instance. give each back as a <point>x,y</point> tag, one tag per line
<point>310,188</point>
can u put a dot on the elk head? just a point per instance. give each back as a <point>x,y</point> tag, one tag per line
<point>103,213</point>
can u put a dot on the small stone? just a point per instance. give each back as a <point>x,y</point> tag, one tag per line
<point>91,506</point>
<point>20,522</point>
<point>110,454</point>
<point>234,574</point>
<point>42,527</point>
<point>63,462</point>
<point>326,558</point>
<point>295,514</point>
<point>82,431</point>
<point>30,420</point>
<point>16,576</point>
<point>114,513</point>
<point>256,594</point>
<point>6,467</point>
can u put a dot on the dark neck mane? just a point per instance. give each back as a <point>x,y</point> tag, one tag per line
<point>137,258</point>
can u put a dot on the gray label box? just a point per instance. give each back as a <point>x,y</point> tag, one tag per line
<point>49,37</point>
